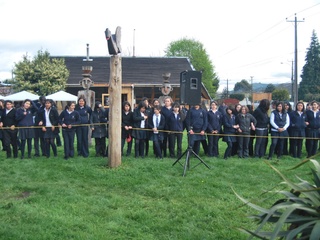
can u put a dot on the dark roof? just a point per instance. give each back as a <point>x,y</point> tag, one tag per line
<point>135,70</point>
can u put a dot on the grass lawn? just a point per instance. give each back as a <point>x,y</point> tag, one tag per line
<point>146,198</point>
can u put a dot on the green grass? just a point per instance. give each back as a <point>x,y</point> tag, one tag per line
<point>82,198</point>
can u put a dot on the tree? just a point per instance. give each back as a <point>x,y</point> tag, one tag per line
<point>225,93</point>
<point>239,96</point>
<point>280,95</point>
<point>42,75</point>
<point>310,77</point>
<point>199,58</point>
<point>270,88</point>
<point>243,86</point>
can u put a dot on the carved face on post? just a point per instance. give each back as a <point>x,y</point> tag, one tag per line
<point>166,88</point>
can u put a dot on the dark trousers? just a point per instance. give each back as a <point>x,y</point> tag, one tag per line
<point>39,138</point>
<point>68,142</point>
<point>243,145</point>
<point>139,147</point>
<point>49,142</point>
<point>165,143</point>
<point>83,141</point>
<point>296,147</point>
<point>276,142</point>
<point>100,146</point>
<point>213,145</point>
<point>157,143</point>
<point>261,143</point>
<point>10,138</point>
<point>129,146</point>
<point>173,138</point>
<point>227,152</point>
<point>23,145</point>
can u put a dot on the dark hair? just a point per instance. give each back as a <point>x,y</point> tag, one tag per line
<point>302,106</point>
<point>176,104</point>
<point>157,107</point>
<point>85,102</point>
<point>8,101</point>
<point>126,103</point>
<point>229,108</point>
<point>282,104</point>
<point>264,105</point>
<point>141,105</point>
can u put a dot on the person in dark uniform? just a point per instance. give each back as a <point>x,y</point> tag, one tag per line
<point>298,129</point>
<point>126,127</point>
<point>279,121</point>
<point>236,111</point>
<point>176,127</point>
<point>312,130</point>
<point>166,111</point>
<point>24,117</point>
<point>196,124</point>
<point>262,128</point>
<point>98,122</point>
<point>49,119</point>
<point>214,129</point>
<point>10,133</point>
<point>82,131</point>
<point>38,133</point>
<point>67,119</point>
<point>287,144</point>
<point>229,131</point>
<point>246,123</point>
<point>2,109</point>
<point>139,133</point>
<point>157,122</point>
<point>148,112</point>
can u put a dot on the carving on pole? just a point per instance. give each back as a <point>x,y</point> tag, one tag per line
<point>115,89</point>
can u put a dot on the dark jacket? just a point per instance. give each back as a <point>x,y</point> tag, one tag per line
<point>72,118</point>
<point>161,127</point>
<point>244,122</point>
<point>98,121</point>
<point>261,117</point>
<point>214,121</point>
<point>53,117</point>
<point>84,113</point>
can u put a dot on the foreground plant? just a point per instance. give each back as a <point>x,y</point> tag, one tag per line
<point>297,216</point>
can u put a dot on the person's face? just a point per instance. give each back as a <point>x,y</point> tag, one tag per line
<point>176,109</point>
<point>197,107</point>
<point>279,108</point>
<point>48,105</point>
<point>238,108</point>
<point>126,108</point>
<point>315,106</point>
<point>81,102</point>
<point>229,111</point>
<point>27,104</point>
<point>243,110</point>
<point>167,102</point>
<point>156,111</point>
<point>8,105</point>
<point>156,103</point>
<point>286,106</point>
<point>213,106</point>
<point>72,106</point>
<point>299,107</point>
<point>143,109</point>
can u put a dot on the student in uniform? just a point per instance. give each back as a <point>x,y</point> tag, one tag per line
<point>262,128</point>
<point>166,111</point>
<point>312,130</point>
<point>157,124</point>
<point>246,123</point>
<point>139,132</point>
<point>69,119</point>
<point>298,129</point>
<point>214,129</point>
<point>24,117</point>
<point>82,131</point>
<point>279,121</point>
<point>126,127</point>
<point>98,122</point>
<point>229,131</point>
<point>10,132</point>
<point>176,127</point>
<point>196,124</point>
<point>49,119</point>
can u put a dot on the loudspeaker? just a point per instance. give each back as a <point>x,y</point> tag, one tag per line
<point>190,87</point>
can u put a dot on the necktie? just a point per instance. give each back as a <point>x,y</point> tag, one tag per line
<point>157,122</point>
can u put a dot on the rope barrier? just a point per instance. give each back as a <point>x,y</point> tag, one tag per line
<point>164,131</point>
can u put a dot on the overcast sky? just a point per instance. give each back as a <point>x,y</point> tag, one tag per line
<point>243,38</point>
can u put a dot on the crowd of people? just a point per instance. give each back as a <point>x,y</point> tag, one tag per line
<point>245,131</point>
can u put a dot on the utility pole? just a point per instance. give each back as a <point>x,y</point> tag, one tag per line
<point>295,87</point>
<point>227,88</point>
<point>251,90</point>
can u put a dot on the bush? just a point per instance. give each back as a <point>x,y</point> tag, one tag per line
<point>297,216</point>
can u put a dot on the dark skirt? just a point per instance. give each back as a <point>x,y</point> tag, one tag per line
<point>25,133</point>
<point>140,134</point>
<point>49,133</point>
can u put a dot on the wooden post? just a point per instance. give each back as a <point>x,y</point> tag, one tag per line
<point>115,87</point>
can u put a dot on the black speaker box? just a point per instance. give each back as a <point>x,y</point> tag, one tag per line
<point>190,87</point>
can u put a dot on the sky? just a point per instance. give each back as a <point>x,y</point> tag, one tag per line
<point>248,39</point>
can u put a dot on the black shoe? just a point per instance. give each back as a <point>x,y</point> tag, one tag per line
<point>65,158</point>
<point>37,155</point>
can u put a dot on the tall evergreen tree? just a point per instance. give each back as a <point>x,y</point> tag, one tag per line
<point>309,88</point>
<point>199,58</point>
